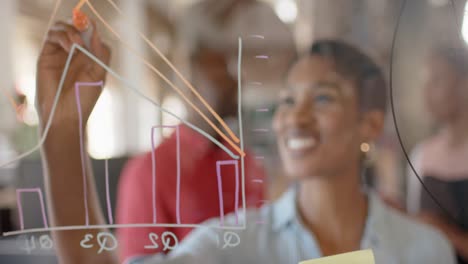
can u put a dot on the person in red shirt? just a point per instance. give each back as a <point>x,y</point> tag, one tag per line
<point>199,197</point>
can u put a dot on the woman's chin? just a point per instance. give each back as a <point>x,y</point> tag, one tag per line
<point>299,174</point>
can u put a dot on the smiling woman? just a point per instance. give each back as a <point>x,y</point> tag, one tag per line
<point>335,101</point>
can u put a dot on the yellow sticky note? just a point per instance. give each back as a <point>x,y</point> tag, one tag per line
<point>356,257</point>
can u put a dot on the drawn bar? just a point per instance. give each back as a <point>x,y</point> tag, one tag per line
<point>20,208</point>
<point>257,180</point>
<point>262,110</point>
<point>82,150</point>
<point>259,157</point>
<point>264,57</point>
<point>153,171</point>
<point>220,189</point>
<point>109,207</point>
<point>256,83</point>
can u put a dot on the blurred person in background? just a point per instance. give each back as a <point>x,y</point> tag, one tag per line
<point>220,23</point>
<point>442,159</point>
<point>335,102</point>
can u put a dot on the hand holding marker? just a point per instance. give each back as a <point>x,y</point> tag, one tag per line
<point>82,24</point>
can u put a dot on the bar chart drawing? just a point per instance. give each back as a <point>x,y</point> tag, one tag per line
<point>108,201</point>
<point>220,189</point>
<point>153,171</point>
<point>238,158</point>
<point>78,85</point>
<point>20,208</point>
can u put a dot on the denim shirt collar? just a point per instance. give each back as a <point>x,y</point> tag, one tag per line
<point>285,214</point>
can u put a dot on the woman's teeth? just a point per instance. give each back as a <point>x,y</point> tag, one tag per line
<point>300,143</point>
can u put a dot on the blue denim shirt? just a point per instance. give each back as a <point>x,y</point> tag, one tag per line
<point>282,238</point>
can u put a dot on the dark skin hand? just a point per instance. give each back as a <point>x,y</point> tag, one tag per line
<point>61,150</point>
<point>50,67</point>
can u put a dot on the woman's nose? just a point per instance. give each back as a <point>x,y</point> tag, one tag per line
<point>302,114</point>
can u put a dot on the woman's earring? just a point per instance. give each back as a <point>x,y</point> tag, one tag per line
<point>365,147</point>
<point>367,177</point>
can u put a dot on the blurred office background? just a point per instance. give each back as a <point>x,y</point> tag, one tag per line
<point>119,126</point>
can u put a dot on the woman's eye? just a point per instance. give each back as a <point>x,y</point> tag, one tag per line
<point>323,98</point>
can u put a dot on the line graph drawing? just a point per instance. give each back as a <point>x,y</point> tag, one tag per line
<point>75,46</point>
<point>173,86</point>
<point>128,85</point>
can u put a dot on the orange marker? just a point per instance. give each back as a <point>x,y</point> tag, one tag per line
<point>81,22</point>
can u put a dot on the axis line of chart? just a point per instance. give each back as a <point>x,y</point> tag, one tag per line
<point>93,227</point>
<point>241,128</point>
<point>177,225</point>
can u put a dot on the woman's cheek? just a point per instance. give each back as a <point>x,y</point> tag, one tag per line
<point>278,120</point>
